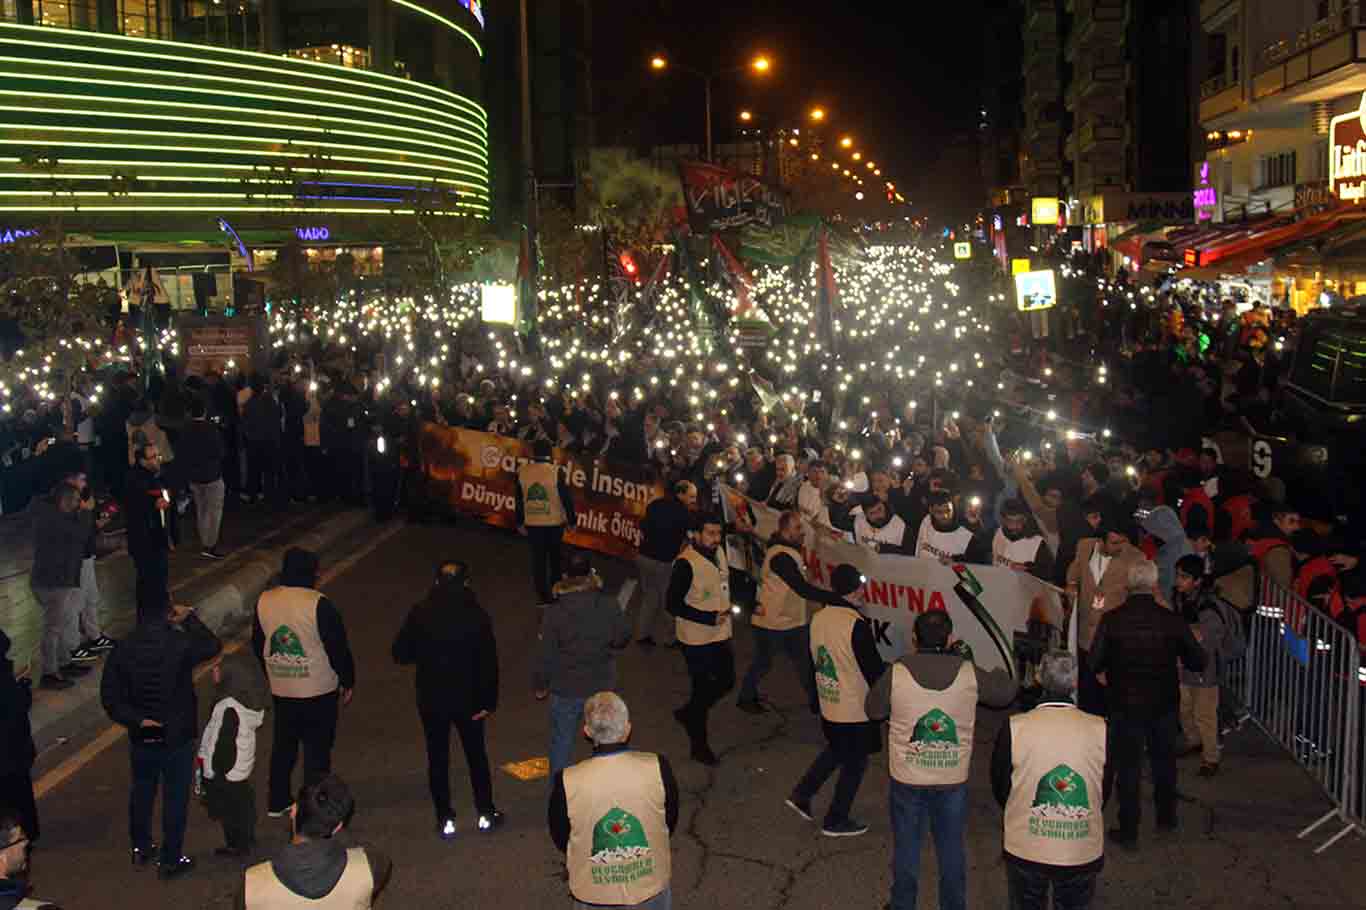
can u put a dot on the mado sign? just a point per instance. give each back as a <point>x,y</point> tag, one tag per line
<point>1035,291</point>
<point>312,233</point>
<point>962,250</point>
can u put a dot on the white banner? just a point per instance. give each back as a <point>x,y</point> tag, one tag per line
<point>988,604</point>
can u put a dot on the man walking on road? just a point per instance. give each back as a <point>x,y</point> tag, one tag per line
<point>544,509</point>
<point>450,639</point>
<point>665,531</point>
<point>148,687</point>
<point>699,599</point>
<point>1135,654</point>
<point>315,869</point>
<point>580,639</point>
<point>88,630</point>
<point>301,641</point>
<point>62,526</point>
<point>1048,771</point>
<point>779,622</point>
<point>201,458</point>
<point>612,816</point>
<point>847,665</point>
<point>931,696</point>
<point>150,520</point>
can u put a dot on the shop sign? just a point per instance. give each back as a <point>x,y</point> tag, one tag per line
<point>476,9</point>
<point>996,224</point>
<point>962,250</point>
<point>1308,195</point>
<point>1019,265</point>
<point>1117,207</point>
<point>313,234</point>
<point>1347,161</point>
<point>1035,291</point>
<point>1044,210</point>
<point>1205,198</point>
<point>9,235</point>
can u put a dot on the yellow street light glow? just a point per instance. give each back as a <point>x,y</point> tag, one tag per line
<point>870,165</point>
<point>657,62</point>
<point>877,173</point>
<point>815,157</point>
<point>746,116</point>
<point>834,165</point>
<point>857,155</point>
<point>859,195</point>
<point>817,114</point>
<point>761,64</point>
<point>792,142</point>
<point>846,142</point>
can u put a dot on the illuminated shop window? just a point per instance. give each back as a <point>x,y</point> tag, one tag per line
<point>63,13</point>
<point>336,54</point>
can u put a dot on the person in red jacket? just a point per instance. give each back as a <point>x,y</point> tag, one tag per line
<point>1316,580</point>
<point>1269,543</point>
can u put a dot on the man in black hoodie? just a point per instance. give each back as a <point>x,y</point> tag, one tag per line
<point>150,520</point>
<point>16,743</point>
<point>450,639</point>
<point>314,868</point>
<point>201,457</point>
<point>148,687</point>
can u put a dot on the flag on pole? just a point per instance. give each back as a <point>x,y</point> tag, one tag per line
<point>526,287</point>
<point>827,294</point>
<point>739,278</point>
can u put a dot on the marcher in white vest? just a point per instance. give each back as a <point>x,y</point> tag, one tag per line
<point>846,665</point>
<point>14,848</point>
<point>877,528</point>
<point>931,697</point>
<point>942,536</point>
<point>315,870</point>
<point>545,508</point>
<point>1048,772</point>
<point>301,641</point>
<point>1019,544</point>
<point>699,599</point>
<point>779,620</point>
<point>612,816</point>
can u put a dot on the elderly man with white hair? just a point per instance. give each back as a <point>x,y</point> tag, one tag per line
<point>786,483</point>
<point>1135,653</point>
<point>1048,773</point>
<point>612,816</point>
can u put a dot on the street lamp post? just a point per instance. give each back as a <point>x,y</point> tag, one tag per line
<point>760,64</point>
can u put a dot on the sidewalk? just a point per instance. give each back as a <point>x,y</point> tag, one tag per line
<point>254,539</point>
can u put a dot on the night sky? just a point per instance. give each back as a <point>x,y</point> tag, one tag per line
<point>901,82</point>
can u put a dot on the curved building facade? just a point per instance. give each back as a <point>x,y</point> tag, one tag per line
<point>174,112</point>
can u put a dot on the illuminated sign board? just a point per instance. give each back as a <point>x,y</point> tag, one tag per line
<point>498,303</point>
<point>962,250</point>
<point>476,9</point>
<point>9,235</point>
<point>1019,265</point>
<point>1035,291</point>
<point>1205,198</point>
<point>1347,155</point>
<point>1044,210</point>
<point>319,232</point>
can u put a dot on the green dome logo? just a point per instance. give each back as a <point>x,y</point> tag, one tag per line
<point>618,835</point>
<point>537,491</point>
<point>935,727</point>
<point>825,664</point>
<point>1062,788</point>
<point>285,641</point>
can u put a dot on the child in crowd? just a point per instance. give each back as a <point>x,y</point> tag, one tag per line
<point>227,750</point>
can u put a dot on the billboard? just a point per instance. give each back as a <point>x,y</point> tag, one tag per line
<point>720,199</point>
<point>1035,291</point>
<point>1347,154</point>
<point>1043,210</point>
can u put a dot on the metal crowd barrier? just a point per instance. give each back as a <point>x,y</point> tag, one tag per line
<point>1302,682</point>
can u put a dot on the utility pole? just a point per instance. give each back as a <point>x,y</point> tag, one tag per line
<point>706,87</point>
<point>529,166</point>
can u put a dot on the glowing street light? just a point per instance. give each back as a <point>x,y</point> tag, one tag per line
<point>847,142</point>
<point>658,63</point>
<point>857,155</point>
<point>746,116</point>
<point>761,65</point>
<point>859,195</point>
<point>817,114</point>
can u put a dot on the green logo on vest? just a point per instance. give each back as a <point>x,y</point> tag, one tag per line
<point>537,500</point>
<point>827,677</point>
<point>286,655</point>
<point>621,850</point>
<point>1062,806</point>
<point>934,742</point>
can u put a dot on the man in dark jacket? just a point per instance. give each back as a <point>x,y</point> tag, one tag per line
<point>150,521</point>
<point>450,639</point>
<point>312,870</point>
<point>580,636</point>
<point>342,438</point>
<point>664,531</point>
<point>148,687</point>
<point>262,428</point>
<point>201,460</point>
<point>16,743</point>
<point>15,842</point>
<point>1135,653</point>
<point>61,524</point>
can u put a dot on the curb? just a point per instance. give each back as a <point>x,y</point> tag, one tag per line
<point>225,607</point>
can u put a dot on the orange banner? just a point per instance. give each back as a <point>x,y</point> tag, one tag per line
<point>476,474</point>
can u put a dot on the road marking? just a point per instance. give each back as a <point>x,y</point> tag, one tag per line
<point>115,732</point>
<point>529,769</point>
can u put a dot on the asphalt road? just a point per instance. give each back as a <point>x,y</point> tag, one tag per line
<point>737,845</point>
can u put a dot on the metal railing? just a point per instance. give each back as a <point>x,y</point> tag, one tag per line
<point>1302,683</point>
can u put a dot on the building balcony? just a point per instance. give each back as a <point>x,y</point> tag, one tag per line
<point>1226,101</point>
<point>1101,79</point>
<point>1211,8</point>
<point>1099,130</point>
<point>1100,21</point>
<point>1213,85</point>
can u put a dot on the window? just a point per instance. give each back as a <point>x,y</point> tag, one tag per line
<point>1276,170</point>
<point>1333,366</point>
<point>65,13</point>
<point>336,54</point>
<point>144,18</point>
<point>1318,163</point>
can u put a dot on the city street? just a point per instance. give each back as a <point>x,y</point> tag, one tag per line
<point>737,845</point>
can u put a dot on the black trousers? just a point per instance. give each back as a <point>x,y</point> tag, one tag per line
<point>16,791</point>
<point>233,804</point>
<point>1090,693</point>
<point>153,569</point>
<point>171,768</point>
<point>1028,884</point>
<point>436,724</point>
<point>263,470</point>
<point>310,722</point>
<point>1129,735</point>
<point>545,558</point>
<point>711,669</point>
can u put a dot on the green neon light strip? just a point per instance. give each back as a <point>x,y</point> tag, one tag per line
<point>162,118</point>
<point>442,19</point>
<point>336,199</point>
<point>162,87</point>
<point>295,210</point>
<point>403,85</point>
<point>223,151</point>
<point>30,177</point>
<point>449,163</point>
<point>456,114</point>
<point>240,167</point>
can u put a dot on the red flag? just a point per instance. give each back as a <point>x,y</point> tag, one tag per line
<point>738,275</point>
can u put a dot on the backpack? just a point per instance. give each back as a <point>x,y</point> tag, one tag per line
<point>1234,644</point>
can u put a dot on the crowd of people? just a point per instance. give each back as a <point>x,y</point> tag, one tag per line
<point>1158,545</point>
